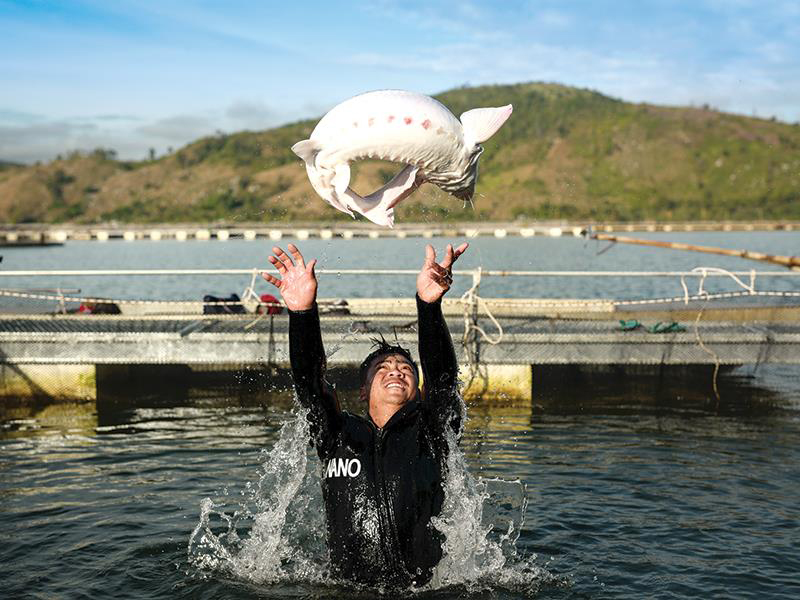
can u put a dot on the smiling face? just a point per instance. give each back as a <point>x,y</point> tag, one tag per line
<point>393,382</point>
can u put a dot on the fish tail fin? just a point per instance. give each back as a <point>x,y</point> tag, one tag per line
<point>482,123</point>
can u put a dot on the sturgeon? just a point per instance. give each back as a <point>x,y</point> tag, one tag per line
<point>403,127</point>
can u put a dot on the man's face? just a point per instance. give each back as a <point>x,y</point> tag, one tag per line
<point>394,380</point>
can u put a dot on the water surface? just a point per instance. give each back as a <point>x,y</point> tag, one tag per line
<point>100,501</point>
<point>634,487</point>
<point>529,254</point>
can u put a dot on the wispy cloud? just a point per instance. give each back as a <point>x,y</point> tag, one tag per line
<point>28,137</point>
<point>178,129</point>
<point>154,74</point>
<point>251,114</point>
<point>553,18</point>
<point>44,141</point>
<point>465,20</point>
<point>19,117</point>
<point>440,59</point>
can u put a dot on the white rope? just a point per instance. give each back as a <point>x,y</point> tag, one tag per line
<point>685,290</point>
<point>705,271</point>
<point>92,300</point>
<point>251,300</point>
<point>749,289</point>
<point>483,302</point>
<point>700,290</point>
<point>249,291</point>
<point>470,299</point>
<point>711,353</point>
<point>471,302</point>
<point>484,273</point>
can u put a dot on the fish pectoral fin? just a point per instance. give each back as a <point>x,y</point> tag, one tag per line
<point>339,206</point>
<point>380,216</point>
<point>400,187</point>
<point>307,150</point>
<point>371,207</point>
<point>378,207</point>
<point>482,123</point>
<point>341,178</point>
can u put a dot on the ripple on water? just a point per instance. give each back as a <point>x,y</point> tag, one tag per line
<point>632,504</point>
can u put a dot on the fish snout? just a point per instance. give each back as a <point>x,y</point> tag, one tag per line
<point>466,193</point>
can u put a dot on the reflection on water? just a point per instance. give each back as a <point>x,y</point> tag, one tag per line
<point>24,418</point>
<point>608,389</point>
<point>666,497</point>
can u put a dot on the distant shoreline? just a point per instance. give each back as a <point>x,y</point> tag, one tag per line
<point>34,234</point>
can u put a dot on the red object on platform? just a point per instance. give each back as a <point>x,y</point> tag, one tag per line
<point>273,307</point>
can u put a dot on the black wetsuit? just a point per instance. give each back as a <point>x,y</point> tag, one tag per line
<point>381,485</point>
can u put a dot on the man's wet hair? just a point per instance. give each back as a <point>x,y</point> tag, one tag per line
<point>383,348</point>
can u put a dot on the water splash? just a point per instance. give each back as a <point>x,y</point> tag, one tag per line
<point>275,533</point>
<point>482,520</point>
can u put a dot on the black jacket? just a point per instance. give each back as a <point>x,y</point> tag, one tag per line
<point>381,486</point>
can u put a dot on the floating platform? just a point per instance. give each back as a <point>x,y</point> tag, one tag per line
<point>247,339</point>
<point>59,355</point>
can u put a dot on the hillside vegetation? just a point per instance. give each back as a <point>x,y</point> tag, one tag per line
<point>565,153</point>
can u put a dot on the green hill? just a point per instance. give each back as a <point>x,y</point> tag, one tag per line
<point>565,153</point>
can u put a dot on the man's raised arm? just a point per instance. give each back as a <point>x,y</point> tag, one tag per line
<point>298,287</point>
<point>438,358</point>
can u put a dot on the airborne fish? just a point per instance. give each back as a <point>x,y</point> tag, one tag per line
<point>402,127</point>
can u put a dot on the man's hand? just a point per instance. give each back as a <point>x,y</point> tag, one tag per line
<point>436,278</point>
<point>298,282</point>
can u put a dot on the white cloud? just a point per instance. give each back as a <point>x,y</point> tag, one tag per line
<point>251,114</point>
<point>775,52</point>
<point>465,20</point>
<point>552,18</point>
<point>738,55</point>
<point>19,117</point>
<point>27,137</point>
<point>45,140</point>
<point>437,60</point>
<point>767,78</point>
<point>178,129</point>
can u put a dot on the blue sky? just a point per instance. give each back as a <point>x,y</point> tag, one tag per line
<point>132,75</point>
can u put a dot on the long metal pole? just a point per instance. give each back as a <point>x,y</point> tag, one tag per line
<point>792,262</point>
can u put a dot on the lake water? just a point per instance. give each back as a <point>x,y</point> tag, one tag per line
<point>102,501</point>
<point>531,254</point>
<point>627,489</point>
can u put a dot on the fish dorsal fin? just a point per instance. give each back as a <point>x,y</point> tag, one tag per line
<point>341,178</point>
<point>307,150</point>
<point>482,123</point>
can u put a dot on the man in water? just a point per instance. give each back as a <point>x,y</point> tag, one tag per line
<point>383,474</point>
